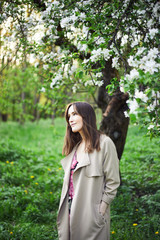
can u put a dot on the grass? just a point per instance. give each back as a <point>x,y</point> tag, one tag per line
<point>31,179</point>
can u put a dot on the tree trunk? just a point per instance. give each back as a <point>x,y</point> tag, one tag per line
<point>36,114</point>
<point>22,115</point>
<point>4,117</point>
<point>13,110</point>
<point>114,123</point>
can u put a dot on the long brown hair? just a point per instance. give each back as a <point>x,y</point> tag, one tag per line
<point>90,132</point>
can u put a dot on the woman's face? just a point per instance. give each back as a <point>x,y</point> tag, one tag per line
<point>75,120</point>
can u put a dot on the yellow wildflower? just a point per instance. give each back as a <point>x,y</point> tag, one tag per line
<point>113,232</point>
<point>11,232</point>
<point>157,232</point>
<point>60,168</point>
<point>12,163</point>
<point>36,183</point>
<point>137,210</point>
<point>7,161</point>
<point>31,176</point>
<point>49,169</point>
<point>135,224</point>
<point>26,191</point>
<point>51,192</point>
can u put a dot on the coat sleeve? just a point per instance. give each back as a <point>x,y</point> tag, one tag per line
<point>111,171</point>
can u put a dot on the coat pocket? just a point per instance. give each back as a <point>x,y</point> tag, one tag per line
<point>100,220</point>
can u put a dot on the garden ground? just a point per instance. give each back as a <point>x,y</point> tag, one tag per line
<point>31,179</point>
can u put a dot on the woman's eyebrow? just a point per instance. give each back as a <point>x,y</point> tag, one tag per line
<point>71,113</point>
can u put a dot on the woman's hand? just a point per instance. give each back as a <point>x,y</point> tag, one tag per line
<point>102,208</point>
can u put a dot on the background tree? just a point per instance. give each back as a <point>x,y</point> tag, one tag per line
<point>106,44</point>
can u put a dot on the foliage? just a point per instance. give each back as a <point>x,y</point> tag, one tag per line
<point>73,40</point>
<point>22,95</point>
<point>31,180</point>
<point>14,84</point>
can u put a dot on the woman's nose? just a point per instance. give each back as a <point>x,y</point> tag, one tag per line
<point>70,119</point>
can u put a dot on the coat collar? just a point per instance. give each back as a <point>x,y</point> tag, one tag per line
<point>84,160</point>
<point>66,162</point>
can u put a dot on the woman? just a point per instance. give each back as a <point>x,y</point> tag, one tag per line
<point>91,177</point>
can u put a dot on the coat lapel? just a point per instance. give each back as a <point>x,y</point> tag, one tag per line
<point>83,161</point>
<point>66,164</point>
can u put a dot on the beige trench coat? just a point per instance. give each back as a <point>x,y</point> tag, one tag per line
<point>96,178</point>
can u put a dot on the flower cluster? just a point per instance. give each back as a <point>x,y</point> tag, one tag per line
<point>144,60</point>
<point>87,34</point>
<point>97,54</point>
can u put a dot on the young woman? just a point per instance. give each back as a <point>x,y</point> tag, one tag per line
<point>91,177</point>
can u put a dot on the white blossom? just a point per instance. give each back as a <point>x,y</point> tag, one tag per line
<point>85,61</point>
<point>153,53</point>
<point>152,32</point>
<point>106,54</point>
<point>133,106</point>
<point>126,114</point>
<point>151,107</point>
<point>74,88</point>
<point>119,34</point>
<point>89,83</point>
<point>141,12</point>
<point>99,83</point>
<point>133,62</point>
<point>52,84</point>
<point>72,70</point>
<point>43,89</point>
<point>99,53</point>
<point>155,94</point>
<point>85,30</point>
<point>65,22</point>
<point>93,82</point>
<point>140,51</point>
<point>82,47</point>
<point>136,40</point>
<point>151,126</point>
<point>96,54</point>
<point>55,3</point>
<point>45,66</point>
<point>151,66</point>
<point>141,95</point>
<point>133,75</point>
<point>150,23</point>
<point>73,18</point>
<point>87,2</point>
<point>56,80</point>
<point>124,40</point>
<point>98,75</point>
<point>36,64</point>
<point>115,63</point>
<point>82,16</point>
<point>156,9</point>
<point>99,40</point>
<point>121,86</point>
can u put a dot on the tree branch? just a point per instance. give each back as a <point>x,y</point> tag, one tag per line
<point>120,20</point>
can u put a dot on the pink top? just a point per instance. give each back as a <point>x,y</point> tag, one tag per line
<point>71,188</point>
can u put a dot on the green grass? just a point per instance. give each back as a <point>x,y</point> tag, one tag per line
<point>31,179</point>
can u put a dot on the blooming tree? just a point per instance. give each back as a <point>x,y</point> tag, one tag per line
<point>111,45</point>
